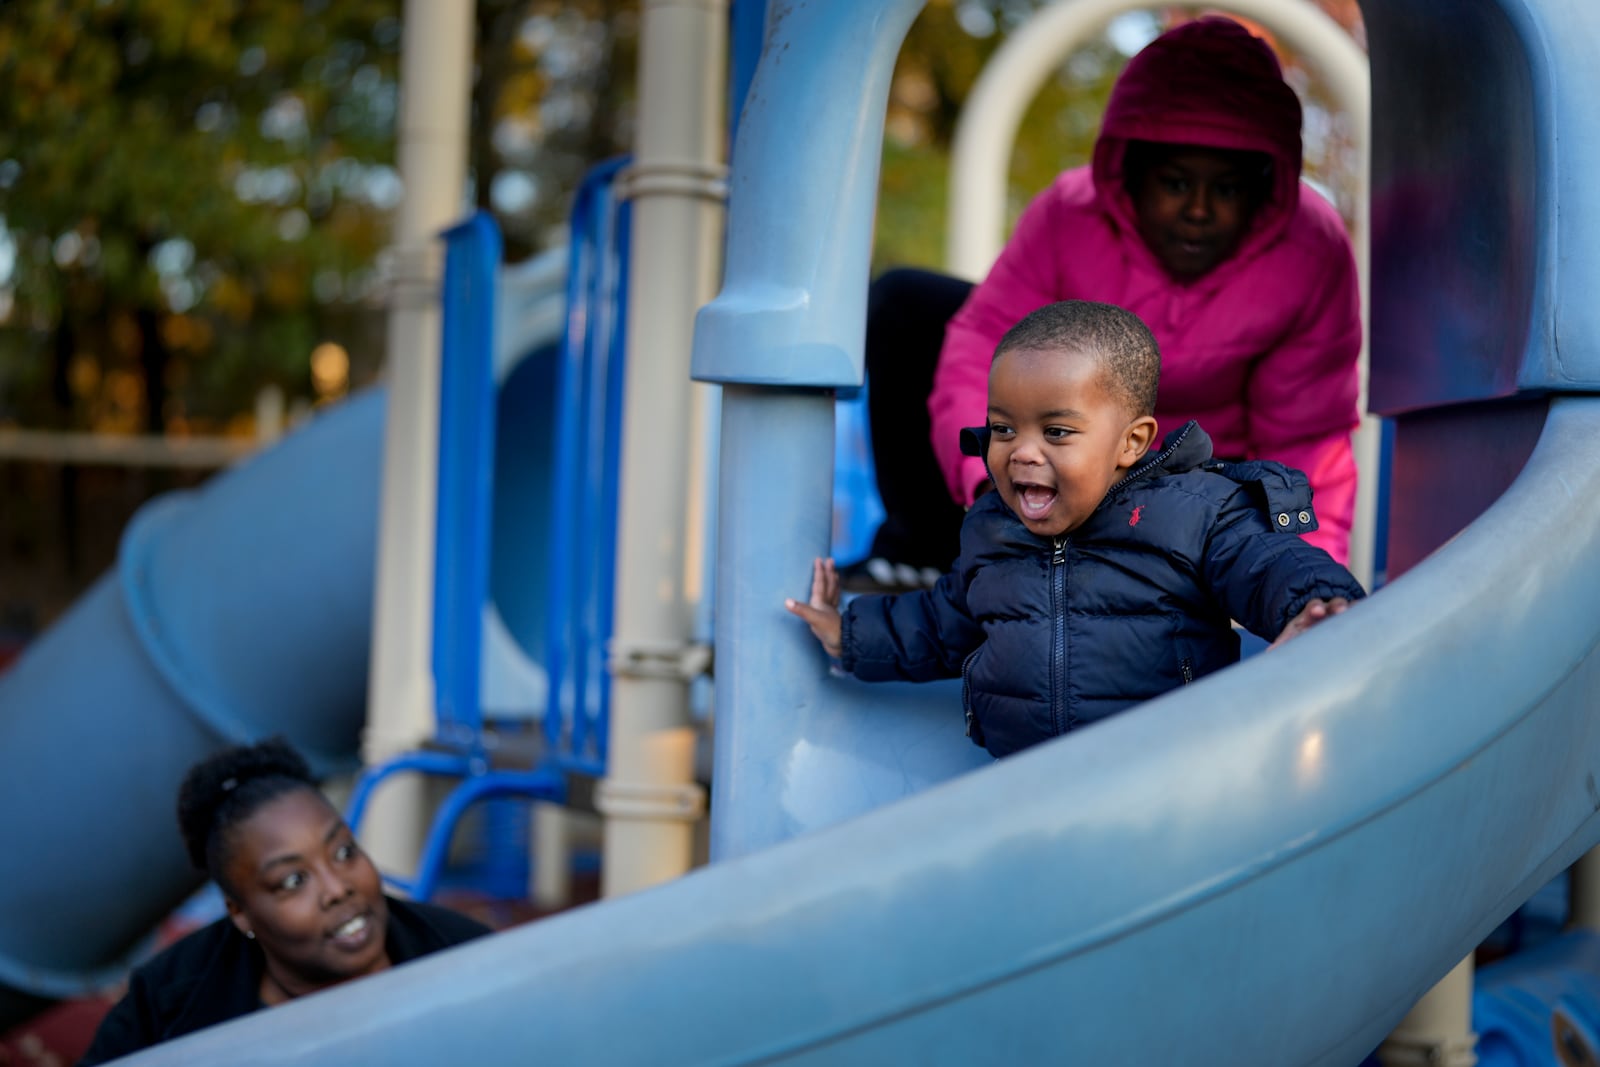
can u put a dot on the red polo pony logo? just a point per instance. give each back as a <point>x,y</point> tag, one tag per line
<point>1133,520</point>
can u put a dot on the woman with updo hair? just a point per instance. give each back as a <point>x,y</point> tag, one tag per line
<point>306,907</point>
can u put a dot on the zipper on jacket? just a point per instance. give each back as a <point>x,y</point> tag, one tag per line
<point>1187,667</point>
<point>1058,646</point>
<point>974,728</point>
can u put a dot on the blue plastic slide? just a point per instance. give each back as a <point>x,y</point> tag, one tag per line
<point>235,611</point>
<point>1267,867</point>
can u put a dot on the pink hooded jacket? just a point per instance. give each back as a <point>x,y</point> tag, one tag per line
<point>1262,349</point>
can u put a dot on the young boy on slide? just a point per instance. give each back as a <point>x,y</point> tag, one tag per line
<point>1098,573</point>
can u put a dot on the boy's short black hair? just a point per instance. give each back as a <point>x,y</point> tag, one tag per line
<point>1117,338</point>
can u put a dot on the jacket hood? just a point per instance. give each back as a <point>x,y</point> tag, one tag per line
<point>1182,450</point>
<point>1283,491</point>
<point>1214,84</point>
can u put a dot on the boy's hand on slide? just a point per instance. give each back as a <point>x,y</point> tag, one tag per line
<point>822,613</point>
<point>1313,613</point>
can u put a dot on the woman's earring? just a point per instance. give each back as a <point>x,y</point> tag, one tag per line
<point>251,934</point>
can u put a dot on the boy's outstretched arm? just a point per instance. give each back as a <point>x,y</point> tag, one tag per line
<point>822,613</point>
<point>1274,583</point>
<point>1314,612</point>
<point>914,637</point>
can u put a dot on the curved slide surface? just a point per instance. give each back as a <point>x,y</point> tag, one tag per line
<point>1279,859</point>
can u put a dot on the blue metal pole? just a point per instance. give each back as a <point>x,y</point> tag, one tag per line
<point>466,474</point>
<point>566,474</point>
<point>583,515</point>
<point>785,333</point>
<point>770,673</point>
<point>792,311</point>
<point>602,594</point>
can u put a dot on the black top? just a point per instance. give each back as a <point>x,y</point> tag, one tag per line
<point>214,975</point>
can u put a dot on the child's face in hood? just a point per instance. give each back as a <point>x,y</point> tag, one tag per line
<point>1208,84</point>
<point>1059,436</point>
<point>1193,205</point>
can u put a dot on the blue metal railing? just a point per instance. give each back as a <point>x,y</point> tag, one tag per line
<point>583,540</point>
<point>582,514</point>
<point>466,476</point>
<point>467,404</point>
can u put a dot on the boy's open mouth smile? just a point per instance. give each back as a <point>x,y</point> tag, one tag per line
<point>1034,501</point>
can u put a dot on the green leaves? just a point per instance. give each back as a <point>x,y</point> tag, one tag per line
<point>251,132</point>
<point>945,52</point>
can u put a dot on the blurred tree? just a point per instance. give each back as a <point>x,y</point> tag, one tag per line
<point>190,190</point>
<point>945,51</point>
<point>194,193</point>
<point>554,97</point>
<point>195,196</point>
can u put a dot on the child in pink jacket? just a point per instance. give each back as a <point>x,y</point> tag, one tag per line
<point>1192,216</point>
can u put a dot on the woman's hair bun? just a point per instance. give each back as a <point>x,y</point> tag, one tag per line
<point>228,786</point>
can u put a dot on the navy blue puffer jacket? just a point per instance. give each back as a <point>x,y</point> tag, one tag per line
<point>1050,634</point>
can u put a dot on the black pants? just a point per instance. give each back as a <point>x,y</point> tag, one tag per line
<point>906,315</point>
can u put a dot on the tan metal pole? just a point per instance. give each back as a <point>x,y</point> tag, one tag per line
<point>649,797</point>
<point>435,100</point>
<point>1437,1032</point>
